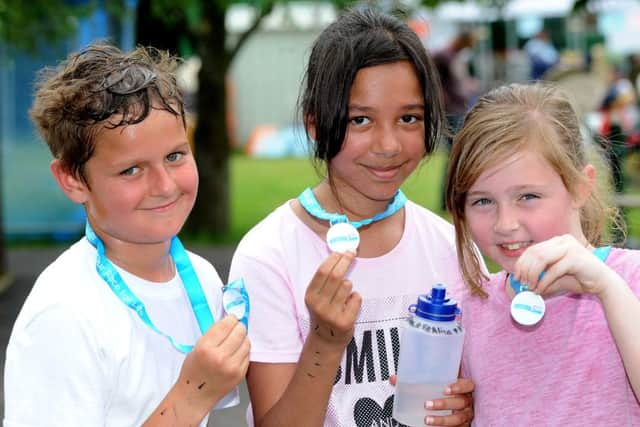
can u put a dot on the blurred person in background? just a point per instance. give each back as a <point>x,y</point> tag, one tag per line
<point>458,86</point>
<point>542,54</point>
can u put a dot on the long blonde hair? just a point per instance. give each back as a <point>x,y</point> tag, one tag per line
<point>504,121</point>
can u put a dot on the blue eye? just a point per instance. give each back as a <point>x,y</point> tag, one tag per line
<point>130,171</point>
<point>481,202</point>
<point>174,157</point>
<point>529,196</point>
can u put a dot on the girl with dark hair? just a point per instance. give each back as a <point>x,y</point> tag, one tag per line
<point>332,273</point>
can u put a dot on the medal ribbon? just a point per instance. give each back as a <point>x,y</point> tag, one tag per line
<point>601,252</point>
<point>192,286</point>
<point>309,202</point>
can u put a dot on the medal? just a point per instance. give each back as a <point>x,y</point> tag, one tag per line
<point>343,235</point>
<point>527,308</point>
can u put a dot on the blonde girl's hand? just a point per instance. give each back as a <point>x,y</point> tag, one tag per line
<point>332,305</point>
<point>567,265</point>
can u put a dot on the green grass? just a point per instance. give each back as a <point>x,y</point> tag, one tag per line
<point>258,186</point>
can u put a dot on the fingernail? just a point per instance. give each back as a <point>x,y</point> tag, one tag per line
<point>447,390</point>
<point>428,420</point>
<point>429,404</point>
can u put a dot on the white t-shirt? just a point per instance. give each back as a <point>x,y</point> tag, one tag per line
<point>277,260</point>
<point>78,356</point>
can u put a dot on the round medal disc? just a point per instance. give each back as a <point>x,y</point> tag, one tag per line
<point>343,237</point>
<point>527,308</point>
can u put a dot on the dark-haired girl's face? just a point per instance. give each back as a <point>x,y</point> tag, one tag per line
<point>385,135</point>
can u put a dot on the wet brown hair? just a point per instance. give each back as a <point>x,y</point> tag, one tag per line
<point>101,87</point>
<point>503,122</point>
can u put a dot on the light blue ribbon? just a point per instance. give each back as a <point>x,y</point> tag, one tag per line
<point>309,202</point>
<point>190,281</point>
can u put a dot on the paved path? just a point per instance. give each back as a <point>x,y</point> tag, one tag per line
<point>25,265</point>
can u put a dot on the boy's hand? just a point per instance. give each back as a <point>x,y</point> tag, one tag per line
<point>460,401</point>
<point>218,362</point>
<point>333,307</point>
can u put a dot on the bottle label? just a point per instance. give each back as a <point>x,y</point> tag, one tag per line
<point>434,328</point>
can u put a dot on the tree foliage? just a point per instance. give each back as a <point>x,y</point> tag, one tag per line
<point>29,26</point>
<point>197,26</point>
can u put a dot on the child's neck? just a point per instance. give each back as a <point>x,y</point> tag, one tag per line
<point>351,203</point>
<point>150,262</point>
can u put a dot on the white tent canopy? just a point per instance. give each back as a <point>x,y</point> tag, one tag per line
<point>541,8</point>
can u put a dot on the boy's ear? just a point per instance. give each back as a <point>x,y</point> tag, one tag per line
<point>585,188</point>
<point>71,185</point>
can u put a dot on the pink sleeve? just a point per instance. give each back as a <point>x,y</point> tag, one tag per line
<point>273,322</point>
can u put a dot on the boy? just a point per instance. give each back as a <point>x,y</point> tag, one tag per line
<point>98,340</point>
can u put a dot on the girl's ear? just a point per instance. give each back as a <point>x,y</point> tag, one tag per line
<point>74,187</point>
<point>586,187</point>
<point>310,126</point>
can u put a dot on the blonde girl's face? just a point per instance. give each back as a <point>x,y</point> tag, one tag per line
<point>518,202</point>
<point>384,141</point>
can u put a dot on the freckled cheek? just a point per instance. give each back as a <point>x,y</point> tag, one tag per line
<point>547,226</point>
<point>481,230</point>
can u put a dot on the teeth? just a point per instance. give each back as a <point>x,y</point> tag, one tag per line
<point>514,246</point>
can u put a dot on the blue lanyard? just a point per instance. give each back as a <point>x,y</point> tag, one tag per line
<point>189,279</point>
<point>309,202</point>
<point>601,252</point>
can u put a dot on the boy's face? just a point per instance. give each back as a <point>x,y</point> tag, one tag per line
<point>517,203</point>
<point>142,181</point>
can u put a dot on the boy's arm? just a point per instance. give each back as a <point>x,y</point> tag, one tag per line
<point>216,365</point>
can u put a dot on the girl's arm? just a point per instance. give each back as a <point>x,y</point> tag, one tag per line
<point>622,309</point>
<point>565,256</point>
<point>287,394</point>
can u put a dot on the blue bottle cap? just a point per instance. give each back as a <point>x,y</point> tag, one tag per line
<point>436,306</point>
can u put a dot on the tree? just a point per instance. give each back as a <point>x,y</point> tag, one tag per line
<point>201,26</point>
<point>172,25</point>
<point>25,26</point>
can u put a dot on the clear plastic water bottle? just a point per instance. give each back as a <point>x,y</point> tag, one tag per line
<point>430,353</point>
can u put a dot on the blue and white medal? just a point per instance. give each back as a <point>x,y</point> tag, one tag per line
<point>527,308</point>
<point>343,234</point>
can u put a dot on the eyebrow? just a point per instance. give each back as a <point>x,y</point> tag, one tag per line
<point>404,107</point>
<point>519,188</point>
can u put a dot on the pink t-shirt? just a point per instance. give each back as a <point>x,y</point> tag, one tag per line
<point>566,371</point>
<point>277,260</point>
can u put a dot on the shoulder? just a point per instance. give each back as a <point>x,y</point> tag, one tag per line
<point>70,291</point>
<point>71,276</point>
<point>626,262</point>
<point>204,268</point>
<point>429,223</point>
<point>276,233</point>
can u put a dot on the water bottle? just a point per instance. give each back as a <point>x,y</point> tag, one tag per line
<point>430,353</point>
